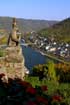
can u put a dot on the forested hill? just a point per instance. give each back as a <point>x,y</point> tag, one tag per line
<point>60,30</point>
<point>25,25</point>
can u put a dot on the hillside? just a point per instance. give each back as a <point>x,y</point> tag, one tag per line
<point>60,30</point>
<point>25,25</point>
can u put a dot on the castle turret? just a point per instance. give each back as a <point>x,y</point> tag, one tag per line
<point>14,39</point>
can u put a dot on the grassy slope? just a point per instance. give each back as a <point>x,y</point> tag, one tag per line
<point>60,30</point>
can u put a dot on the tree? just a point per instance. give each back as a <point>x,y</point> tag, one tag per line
<point>51,71</point>
<point>40,71</point>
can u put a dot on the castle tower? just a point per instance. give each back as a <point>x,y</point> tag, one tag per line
<point>14,29</point>
<point>14,39</point>
<point>14,57</point>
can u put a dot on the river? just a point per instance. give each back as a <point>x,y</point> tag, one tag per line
<point>32,57</point>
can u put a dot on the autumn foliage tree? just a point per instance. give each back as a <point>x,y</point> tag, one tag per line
<point>63,71</point>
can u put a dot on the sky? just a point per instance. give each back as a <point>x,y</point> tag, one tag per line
<point>36,9</point>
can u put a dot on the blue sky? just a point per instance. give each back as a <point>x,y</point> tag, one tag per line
<point>36,9</point>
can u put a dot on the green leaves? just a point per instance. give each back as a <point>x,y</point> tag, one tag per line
<point>51,70</point>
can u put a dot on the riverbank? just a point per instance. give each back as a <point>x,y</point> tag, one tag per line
<point>55,58</point>
<point>50,56</point>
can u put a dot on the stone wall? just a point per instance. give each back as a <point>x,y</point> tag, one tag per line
<point>13,64</point>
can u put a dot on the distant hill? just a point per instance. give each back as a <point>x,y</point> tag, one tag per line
<point>60,30</point>
<point>25,25</point>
